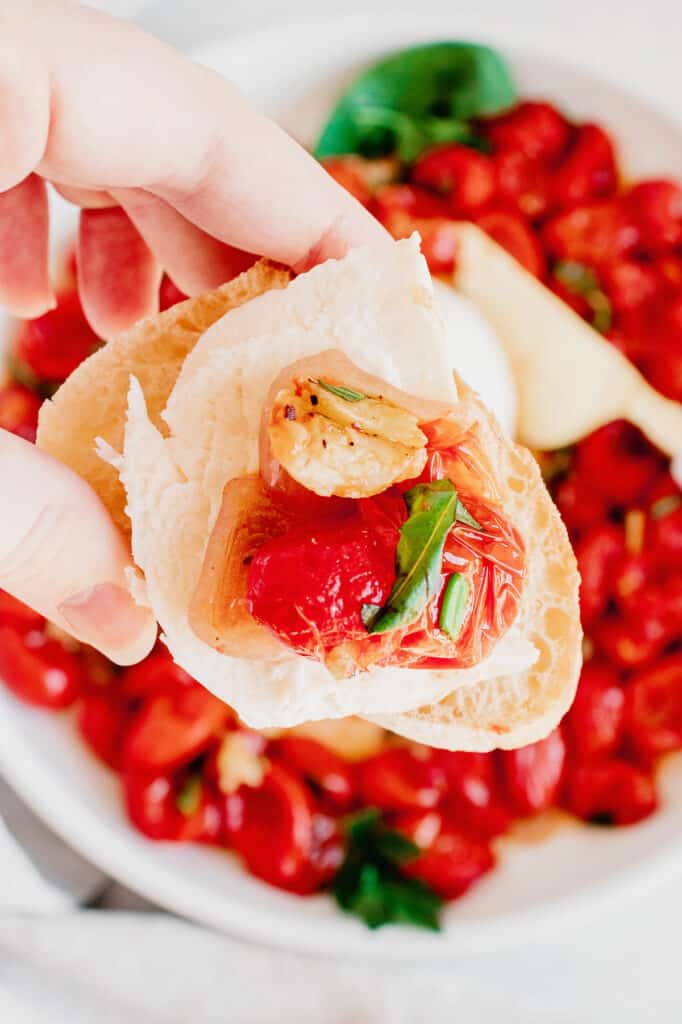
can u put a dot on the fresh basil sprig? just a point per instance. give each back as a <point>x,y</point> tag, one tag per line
<point>369,884</point>
<point>431,512</point>
<point>416,99</point>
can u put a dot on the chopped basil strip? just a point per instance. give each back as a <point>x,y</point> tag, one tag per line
<point>369,884</point>
<point>189,797</point>
<point>582,280</point>
<point>664,506</point>
<point>454,606</point>
<point>431,512</point>
<point>464,516</point>
<point>347,394</point>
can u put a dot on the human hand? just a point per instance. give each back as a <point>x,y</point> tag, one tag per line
<point>173,170</point>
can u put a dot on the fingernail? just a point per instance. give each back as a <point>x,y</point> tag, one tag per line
<point>106,616</point>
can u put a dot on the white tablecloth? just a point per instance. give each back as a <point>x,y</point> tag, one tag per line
<point>59,964</point>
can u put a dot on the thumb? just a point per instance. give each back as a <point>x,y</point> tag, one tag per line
<point>61,554</point>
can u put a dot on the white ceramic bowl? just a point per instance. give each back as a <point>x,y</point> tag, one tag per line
<point>294,72</point>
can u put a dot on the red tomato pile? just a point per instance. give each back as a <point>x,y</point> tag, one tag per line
<point>549,192</point>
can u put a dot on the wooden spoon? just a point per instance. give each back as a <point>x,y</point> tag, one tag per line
<point>569,380</point>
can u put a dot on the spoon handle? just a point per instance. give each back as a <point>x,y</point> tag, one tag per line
<point>658,417</point>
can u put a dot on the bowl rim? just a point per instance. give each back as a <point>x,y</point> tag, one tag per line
<point>136,867</point>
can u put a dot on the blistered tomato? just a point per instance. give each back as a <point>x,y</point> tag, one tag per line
<point>39,670</point>
<point>512,232</point>
<point>450,861</point>
<point>654,708</point>
<point>595,723</point>
<point>398,779</point>
<point>53,345</point>
<point>532,774</point>
<point>535,130</point>
<point>329,774</point>
<point>465,177</point>
<point>19,410</point>
<point>609,792</point>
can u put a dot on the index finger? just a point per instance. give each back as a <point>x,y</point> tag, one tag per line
<point>156,121</point>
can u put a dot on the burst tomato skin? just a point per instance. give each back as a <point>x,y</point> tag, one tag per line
<point>19,410</point>
<point>611,791</point>
<point>151,802</point>
<point>451,861</point>
<point>398,780</point>
<point>657,208</point>
<point>308,586</point>
<point>53,345</point>
<point>466,177</point>
<point>157,674</point>
<point>654,708</point>
<point>618,462</point>
<point>532,775</point>
<point>597,553</point>
<point>172,729</point>
<point>277,832</point>
<point>39,670</point>
<point>633,642</point>
<point>472,801</point>
<point>523,183</point>
<point>595,723</point>
<point>579,504</point>
<point>591,233</point>
<point>534,129</point>
<point>588,170</point>
<point>329,773</point>
<point>102,720</point>
<point>512,232</point>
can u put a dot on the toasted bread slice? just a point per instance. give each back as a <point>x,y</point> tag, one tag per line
<point>174,467</point>
<point>91,404</point>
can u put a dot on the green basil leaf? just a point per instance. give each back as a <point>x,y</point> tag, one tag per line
<point>189,797</point>
<point>417,98</point>
<point>454,605</point>
<point>347,394</point>
<point>419,553</point>
<point>369,884</point>
<point>463,515</point>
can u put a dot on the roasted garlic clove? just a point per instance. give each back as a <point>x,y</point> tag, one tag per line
<point>334,440</point>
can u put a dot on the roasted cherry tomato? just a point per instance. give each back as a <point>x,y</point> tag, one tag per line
<point>595,723</point>
<point>592,233</point>
<point>633,642</point>
<point>151,801</point>
<point>398,779</point>
<point>202,813</point>
<point>19,409</point>
<point>664,539</point>
<point>657,209</point>
<point>532,775</point>
<point>579,504</point>
<point>588,170</point>
<point>308,586</point>
<point>451,860</point>
<point>513,233</point>
<point>610,792</point>
<point>472,801</point>
<point>102,719</point>
<point>328,774</point>
<point>597,552</point>
<point>654,708</point>
<point>157,674</point>
<point>54,344</point>
<point>465,176</point>
<point>534,129</point>
<point>522,182</point>
<point>15,613</point>
<point>631,286</point>
<point>37,669</point>
<point>279,835</point>
<point>171,729</point>
<point>618,462</point>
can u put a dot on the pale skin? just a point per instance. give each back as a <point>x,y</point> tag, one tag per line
<point>172,170</point>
